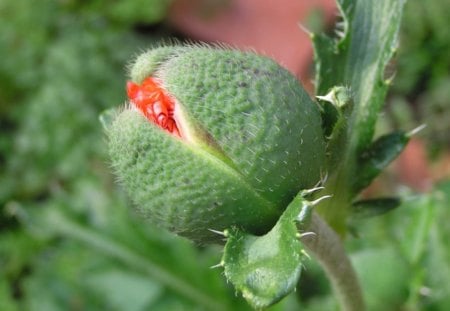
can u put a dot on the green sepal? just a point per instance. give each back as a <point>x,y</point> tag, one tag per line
<point>266,268</point>
<point>148,62</point>
<point>377,157</point>
<point>373,207</point>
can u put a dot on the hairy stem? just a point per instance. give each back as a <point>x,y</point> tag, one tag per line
<point>326,246</point>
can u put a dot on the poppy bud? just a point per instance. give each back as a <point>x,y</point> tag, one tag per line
<point>214,138</point>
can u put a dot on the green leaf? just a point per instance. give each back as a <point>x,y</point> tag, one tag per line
<point>377,157</point>
<point>266,268</point>
<point>373,207</point>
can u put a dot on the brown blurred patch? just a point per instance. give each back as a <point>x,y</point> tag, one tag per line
<point>412,166</point>
<point>267,26</point>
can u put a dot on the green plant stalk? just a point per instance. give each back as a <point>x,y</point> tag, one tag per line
<point>326,246</point>
<point>337,186</point>
<point>335,210</point>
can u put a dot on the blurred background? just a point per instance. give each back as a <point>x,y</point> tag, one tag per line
<point>68,240</point>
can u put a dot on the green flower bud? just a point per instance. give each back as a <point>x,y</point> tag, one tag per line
<point>219,138</point>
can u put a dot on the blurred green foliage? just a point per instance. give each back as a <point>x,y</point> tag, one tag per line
<point>67,239</point>
<point>403,258</point>
<point>421,90</point>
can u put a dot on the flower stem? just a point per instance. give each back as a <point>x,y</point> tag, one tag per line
<point>326,246</point>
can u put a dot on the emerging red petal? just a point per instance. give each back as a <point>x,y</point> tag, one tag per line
<point>154,103</point>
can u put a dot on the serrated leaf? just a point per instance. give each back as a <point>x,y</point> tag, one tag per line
<point>265,268</point>
<point>357,59</point>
